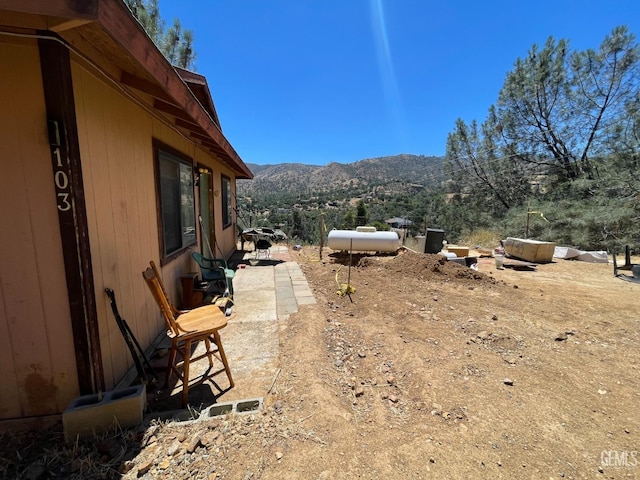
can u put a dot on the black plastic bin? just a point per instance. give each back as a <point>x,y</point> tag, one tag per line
<point>433,242</point>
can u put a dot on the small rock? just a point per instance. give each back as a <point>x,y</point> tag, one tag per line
<point>193,443</point>
<point>561,337</point>
<point>600,469</point>
<point>362,354</point>
<point>495,317</point>
<point>626,430</point>
<point>393,398</point>
<point>339,363</point>
<point>144,466</point>
<point>359,391</point>
<point>507,381</point>
<point>391,379</point>
<point>279,455</point>
<point>483,335</point>
<point>126,467</point>
<point>173,448</point>
<point>278,406</point>
<point>209,438</point>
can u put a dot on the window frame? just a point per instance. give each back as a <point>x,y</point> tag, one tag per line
<point>227,205</point>
<point>162,151</point>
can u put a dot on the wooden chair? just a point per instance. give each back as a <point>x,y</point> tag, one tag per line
<point>186,329</point>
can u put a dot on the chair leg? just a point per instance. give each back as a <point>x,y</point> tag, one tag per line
<point>223,357</point>
<point>185,372</point>
<point>207,343</point>
<point>170,367</point>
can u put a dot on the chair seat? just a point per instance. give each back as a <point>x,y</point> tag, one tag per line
<point>201,320</point>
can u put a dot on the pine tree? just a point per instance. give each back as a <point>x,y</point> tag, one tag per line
<point>176,43</point>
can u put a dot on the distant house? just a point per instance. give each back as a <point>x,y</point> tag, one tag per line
<point>397,222</point>
<point>109,157</point>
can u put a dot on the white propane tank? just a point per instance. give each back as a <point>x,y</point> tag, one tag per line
<point>363,241</point>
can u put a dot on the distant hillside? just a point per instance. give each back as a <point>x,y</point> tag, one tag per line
<point>362,175</point>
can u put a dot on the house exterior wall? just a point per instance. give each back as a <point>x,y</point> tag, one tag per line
<point>118,168</point>
<point>37,351</point>
<point>37,360</point>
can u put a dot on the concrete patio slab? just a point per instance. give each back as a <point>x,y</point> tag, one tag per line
<point>264,296</point>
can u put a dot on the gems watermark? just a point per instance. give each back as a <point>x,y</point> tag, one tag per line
<point>619,458</point>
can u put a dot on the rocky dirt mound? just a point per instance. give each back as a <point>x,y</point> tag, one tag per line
<point>408,265</point>
<point>434,267</point>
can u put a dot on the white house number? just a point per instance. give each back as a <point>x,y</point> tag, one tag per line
<point>62,183</point>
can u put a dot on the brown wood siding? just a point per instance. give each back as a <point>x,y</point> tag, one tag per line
<point>116,141</point>
<point>37,362</point>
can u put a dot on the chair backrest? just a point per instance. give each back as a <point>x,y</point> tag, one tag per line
<point>210,268</point>
<point>157,290</point>
<point>175,311</point>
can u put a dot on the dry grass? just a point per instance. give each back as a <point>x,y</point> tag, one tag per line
<point>482,238</point>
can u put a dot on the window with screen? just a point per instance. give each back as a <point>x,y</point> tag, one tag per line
<point>176,200</point>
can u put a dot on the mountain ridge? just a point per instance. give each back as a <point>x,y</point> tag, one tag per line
<point>361,175</point>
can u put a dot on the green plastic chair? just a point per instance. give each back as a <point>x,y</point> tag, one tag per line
<point>215,270</point>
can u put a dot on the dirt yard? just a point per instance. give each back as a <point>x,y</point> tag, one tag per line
<point>427,370</point>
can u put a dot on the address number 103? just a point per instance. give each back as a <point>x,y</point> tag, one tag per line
<point>61,179</point>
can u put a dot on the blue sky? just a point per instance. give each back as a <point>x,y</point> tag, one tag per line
<point>320,81</point>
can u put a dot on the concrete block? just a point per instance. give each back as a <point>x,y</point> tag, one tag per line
<point>251,405</point>
<point>219,409</point>
<point>93,414</point>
